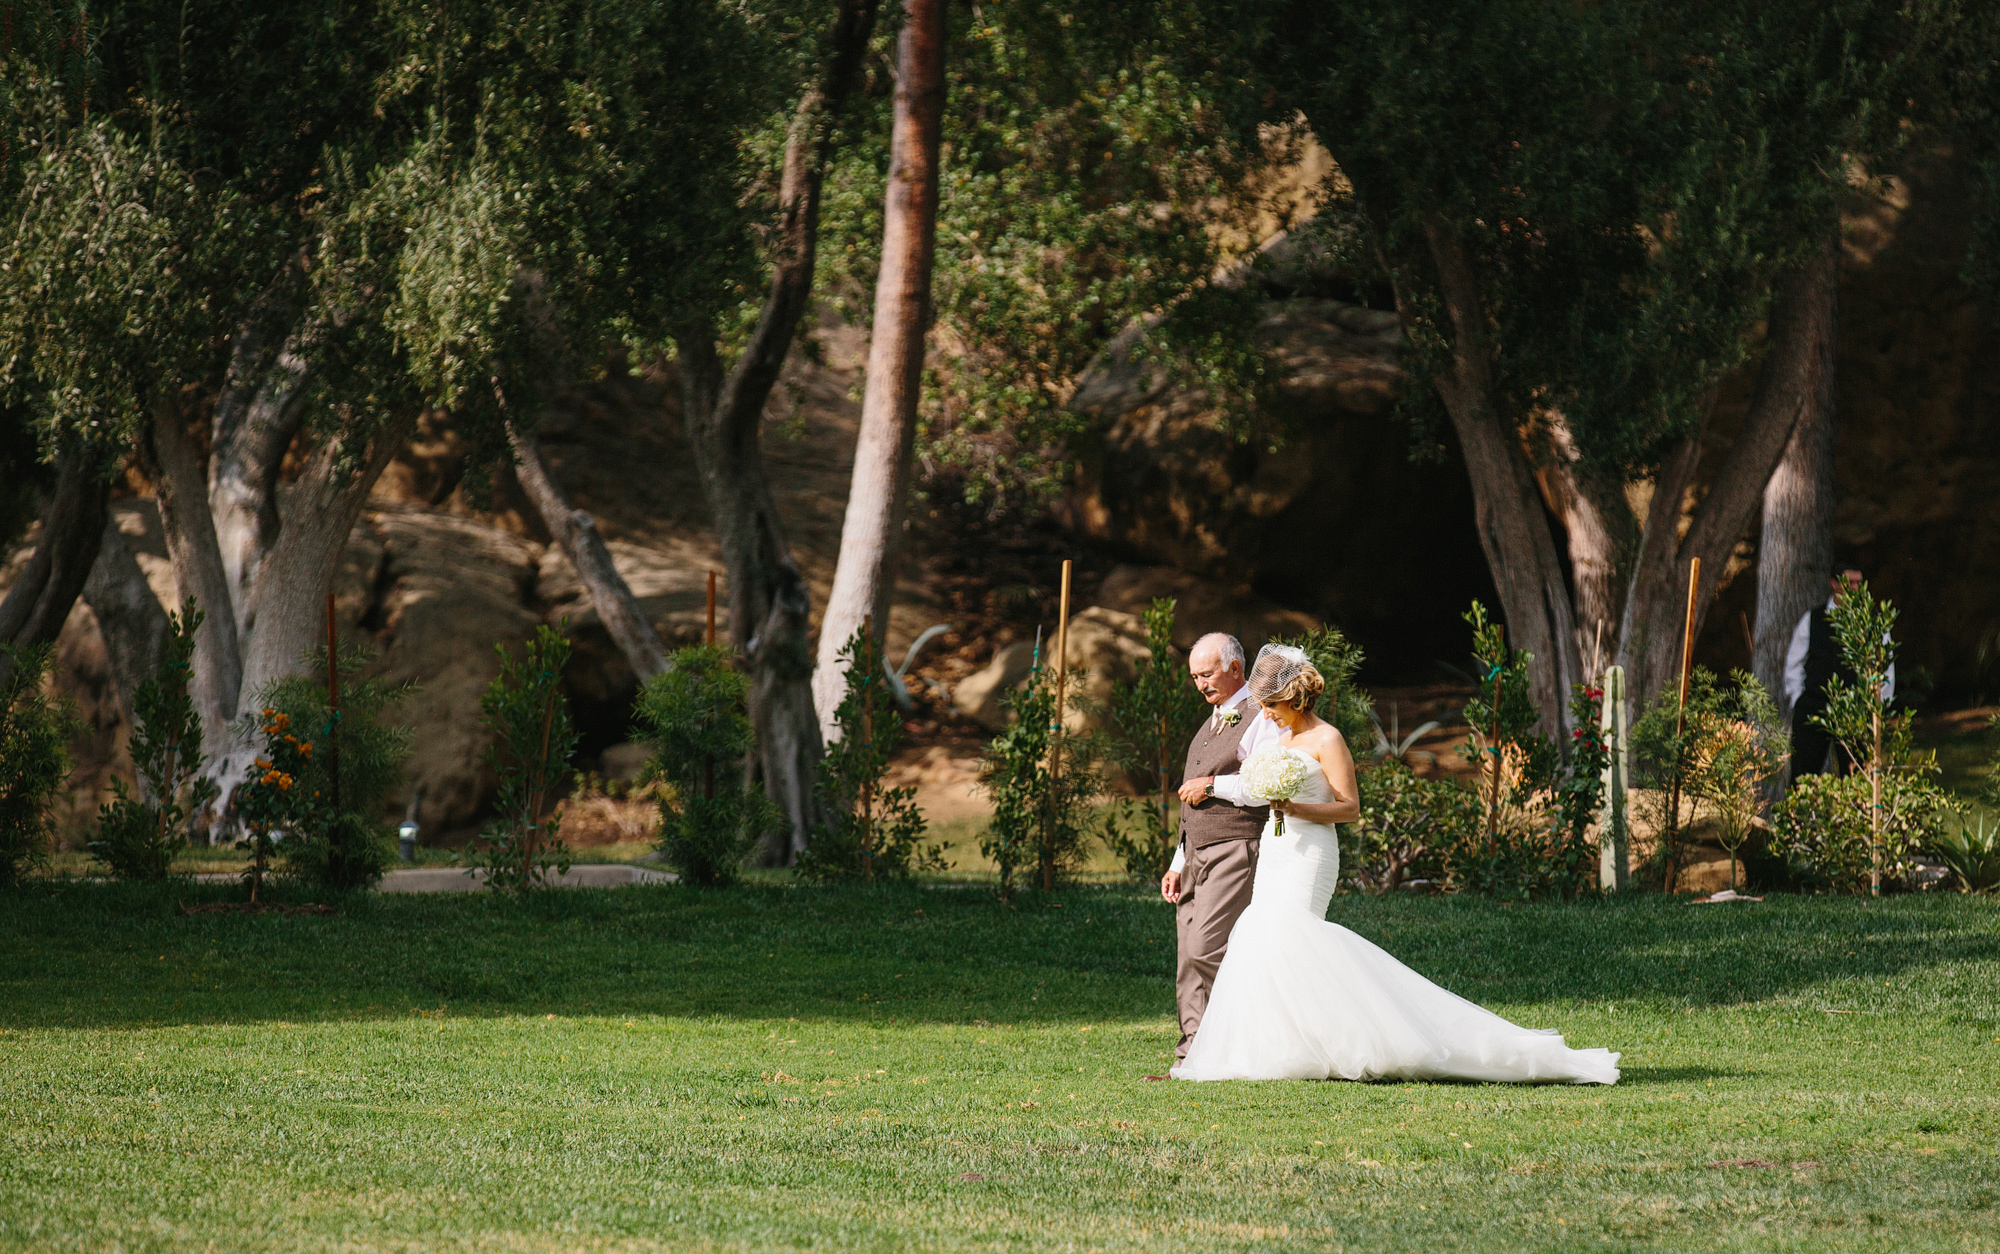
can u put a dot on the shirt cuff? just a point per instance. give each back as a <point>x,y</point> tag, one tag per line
<point>1180,859</point>
<point>1230,788</point>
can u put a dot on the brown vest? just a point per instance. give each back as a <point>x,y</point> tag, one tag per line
<point>1214,753</point>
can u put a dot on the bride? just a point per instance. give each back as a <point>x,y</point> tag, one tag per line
<point>1299,998</point>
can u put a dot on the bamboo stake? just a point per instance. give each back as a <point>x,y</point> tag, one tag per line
<point>708,762</point>
<point>1680,725</point>
<point>1875,801</point>
<point>333,706</point>
<point>1493,748</point>
<point>864,657</point>
<point>1055,732</point>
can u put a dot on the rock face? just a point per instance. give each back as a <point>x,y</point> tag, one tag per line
<point>1327,513</point>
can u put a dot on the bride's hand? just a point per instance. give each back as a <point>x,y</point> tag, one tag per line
<point>1281,807</point>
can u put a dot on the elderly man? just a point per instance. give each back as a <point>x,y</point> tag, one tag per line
<point>1209,882</point>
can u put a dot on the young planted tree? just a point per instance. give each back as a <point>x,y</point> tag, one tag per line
<point>1148,723</point>
<point>526,711</point>
<point>139,837</point>
<point>1858,714</point>
<point>871,832</point>
<point>695,717</point>
<point>35,730</point>
<point>1042,780</point>
<point>1738,744</point>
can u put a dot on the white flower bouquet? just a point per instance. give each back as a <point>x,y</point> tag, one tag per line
<point>1275,773</point>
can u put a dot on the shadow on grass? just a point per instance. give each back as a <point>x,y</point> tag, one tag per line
<point>113,955</point>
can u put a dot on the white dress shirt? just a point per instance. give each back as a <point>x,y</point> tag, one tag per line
<point>1262,731</point>
<point>1795,663</point>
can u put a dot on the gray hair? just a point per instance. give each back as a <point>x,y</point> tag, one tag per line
<point>1227,647</point>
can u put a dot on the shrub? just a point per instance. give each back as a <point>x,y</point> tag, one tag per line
<point>1860,719</point>
<point>695,716</point>
<point>1720,749</point>
<point>533,740</point>
<point>139,837</point>
<point>1148,724</point>
<point>871,831</point>
<point>34,759</point>
<point>1824,832</point>
<point>324,774</point>
<point>1408,825</point>
<point>1536,805</point>
<point>1042,780</point>
<point>1971,849</point>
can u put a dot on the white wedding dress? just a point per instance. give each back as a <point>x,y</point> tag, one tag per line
<point>1299,998</point>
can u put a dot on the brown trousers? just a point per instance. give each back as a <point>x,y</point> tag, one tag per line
<point>1215,887</point>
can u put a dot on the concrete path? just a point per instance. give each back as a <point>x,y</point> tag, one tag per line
<point>451,879</point>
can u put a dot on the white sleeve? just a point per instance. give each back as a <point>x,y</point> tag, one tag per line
<point>1889,681</point>
<point>1230,787</point>
<point>1180,859</point>
<point>1795,661</point>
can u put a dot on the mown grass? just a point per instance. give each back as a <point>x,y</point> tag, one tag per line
<point>920,1067</point>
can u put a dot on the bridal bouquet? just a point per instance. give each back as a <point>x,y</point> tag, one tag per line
<point>1274,773</point>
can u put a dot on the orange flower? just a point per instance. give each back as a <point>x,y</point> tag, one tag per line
<point>306,749</point>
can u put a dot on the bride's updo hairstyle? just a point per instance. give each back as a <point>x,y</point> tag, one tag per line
<point>1284,675</point>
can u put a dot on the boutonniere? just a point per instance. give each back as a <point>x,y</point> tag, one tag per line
<point>1231,717</point>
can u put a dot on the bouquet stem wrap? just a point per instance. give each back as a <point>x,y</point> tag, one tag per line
<point>1275,773</point>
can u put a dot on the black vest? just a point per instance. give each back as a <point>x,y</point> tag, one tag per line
<point>1823,662</point>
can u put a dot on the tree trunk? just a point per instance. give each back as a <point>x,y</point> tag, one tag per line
<point>1796,354</point>
<point>1597,525</point>
<point>255,421</point>
<point>318,512</point>
<point>39,602</point>
<point>865,575</point>
<point>770,605</point>
<point>1507,505</point>
<point>576,532</point>
<point>1795,544</point>
<point>129,616</point>
<point>198,567</point>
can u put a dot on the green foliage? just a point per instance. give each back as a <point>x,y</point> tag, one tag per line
<point>1970,846</point>
<point>1100,164</point>
<point>524,709</point>
<point>1042,780</point>
<point>35,730</point>
<point>1147,726</point>
<point>139,837</point>
<point>1502,711</point>
<point>1822,829</point>
<point>333,834</point>
<point>1855,712</point>
<point>874,832</point>
<point>1408,827</point>
<point>1989,788</point>
<point>1719,751</point>
<point>694,715</point>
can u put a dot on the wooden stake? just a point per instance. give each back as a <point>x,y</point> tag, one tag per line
<point>1056,729</point>
<point>1680,725</point>
<point>864,655</point>
<point>708,763</point>
<point>333,706</point>
<point>1493,748</point>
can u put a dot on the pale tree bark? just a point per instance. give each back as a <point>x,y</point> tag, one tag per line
<point>770,605</point>
<point>198,568</point>
<point>1506,502</point>
<point>72,526</point>
<point>317,514</point>
<point>129,616</point>
<point>866,573</point>
<point>1600,538</point>
<point>1795,542</point>
<point>1797,352</point>
<point>256,419</point>
<point>575,532</point>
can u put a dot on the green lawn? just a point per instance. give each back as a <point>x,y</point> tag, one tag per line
<point>922,1068</point>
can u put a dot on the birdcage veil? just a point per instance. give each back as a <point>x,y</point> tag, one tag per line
<point>1277,669</point>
